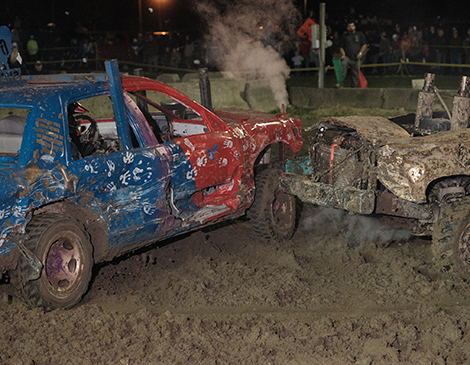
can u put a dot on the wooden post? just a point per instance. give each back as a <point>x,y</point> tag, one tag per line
<point>321,71</point>
<point>461,106</point>
<point>205,88</point>
<point>426,99</point>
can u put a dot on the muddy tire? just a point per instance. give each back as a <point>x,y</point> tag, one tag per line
<point>451,239</point>
<point>64,249</point>
<point>273,213</point>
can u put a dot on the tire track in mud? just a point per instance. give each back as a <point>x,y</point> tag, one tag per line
<point>199,273</point>
<point>274,312</point>
<point>223,294</point>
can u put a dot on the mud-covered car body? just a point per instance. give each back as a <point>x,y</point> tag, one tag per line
<point>374,165</point>
<point>141,183</point>
<point>414,169</point>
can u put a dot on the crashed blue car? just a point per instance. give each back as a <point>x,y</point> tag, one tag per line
<point>96,165</point>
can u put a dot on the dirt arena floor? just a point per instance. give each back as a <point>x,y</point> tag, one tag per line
<point>344,290</point>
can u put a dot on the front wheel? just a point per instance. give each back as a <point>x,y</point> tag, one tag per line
<point>451,239</point>
<point>64,249</point>
<point>273,213</point>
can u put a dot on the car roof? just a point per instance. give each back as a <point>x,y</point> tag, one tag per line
<point>34,90</point>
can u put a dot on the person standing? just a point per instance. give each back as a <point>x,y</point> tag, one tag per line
<point>297,61</point>
<point>430,44</point>
<point>32,48</point>
<point>405,46</point>
<point>188,52</point>
<point>455,52</point>
<point>38,69</point>
<point>15,57</point>
<point>304,47</point>
<point>352,48</point>
<point>395,49</point>
<point>384,52</point>
<point>441,50</point>
<point>466,46</point>
<point>151,52</point>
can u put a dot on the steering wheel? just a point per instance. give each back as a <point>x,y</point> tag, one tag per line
<point>90,137</point>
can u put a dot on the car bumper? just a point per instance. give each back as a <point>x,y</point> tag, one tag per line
<point>353,200</point>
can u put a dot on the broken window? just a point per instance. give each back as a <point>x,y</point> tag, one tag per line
<point>168,118</point>
<point>12,125</point>
<point>92,127</point>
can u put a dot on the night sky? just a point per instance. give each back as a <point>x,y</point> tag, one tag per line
<point>180,15</point>
<point>99,15</point>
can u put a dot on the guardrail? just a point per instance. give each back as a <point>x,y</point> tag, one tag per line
<point>400,66</point>
<point>57,60</point>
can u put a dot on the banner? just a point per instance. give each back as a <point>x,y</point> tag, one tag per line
<point>362,83</point>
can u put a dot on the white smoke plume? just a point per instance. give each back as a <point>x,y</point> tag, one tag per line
<point>356,230</point>
<point>249,35</point>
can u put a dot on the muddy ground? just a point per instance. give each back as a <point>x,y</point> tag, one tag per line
<point>344,290</point>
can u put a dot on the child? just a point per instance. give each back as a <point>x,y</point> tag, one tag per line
<point>297,60</point>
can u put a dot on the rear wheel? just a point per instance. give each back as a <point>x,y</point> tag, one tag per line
<point>273,213</point>
<point>451,238</point>
<point>64,249</point>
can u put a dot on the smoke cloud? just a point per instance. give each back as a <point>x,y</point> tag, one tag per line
<point>356,230</point>
<point>248,36</point>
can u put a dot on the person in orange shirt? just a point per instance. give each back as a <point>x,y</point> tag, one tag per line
<point>304,48</point>
<point>405,46</point>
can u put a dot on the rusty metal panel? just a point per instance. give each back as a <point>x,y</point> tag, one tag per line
<point>390,204</point>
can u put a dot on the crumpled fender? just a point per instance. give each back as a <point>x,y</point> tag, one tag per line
<point>23,190</point>
<point>264,129</point>
<point>407,168</point>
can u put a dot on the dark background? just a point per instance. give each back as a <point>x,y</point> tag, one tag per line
<point>181,15</point>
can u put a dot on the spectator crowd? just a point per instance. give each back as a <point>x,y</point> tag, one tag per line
<point>388,42</point>
<point>436,44</point>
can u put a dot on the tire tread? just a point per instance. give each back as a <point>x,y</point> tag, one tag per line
<point>28,290</point>
<point>266,181</point>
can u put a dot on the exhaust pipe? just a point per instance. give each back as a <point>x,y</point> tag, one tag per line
<point>205,88</point>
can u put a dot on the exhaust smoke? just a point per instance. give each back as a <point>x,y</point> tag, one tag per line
<point>248,37</point>
<point>358,231</point>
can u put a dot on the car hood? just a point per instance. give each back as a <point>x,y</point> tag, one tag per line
<point>237,116</point>
<point>407,165</point>
<point>377,130</point>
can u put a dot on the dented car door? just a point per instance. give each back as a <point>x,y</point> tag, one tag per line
<point>127,185</point>
<point>212,155</point>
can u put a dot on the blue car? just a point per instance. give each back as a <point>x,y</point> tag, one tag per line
<point>94,165</point>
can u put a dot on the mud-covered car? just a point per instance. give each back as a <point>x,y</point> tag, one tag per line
<point>93,166</point>
<point>414,168</point>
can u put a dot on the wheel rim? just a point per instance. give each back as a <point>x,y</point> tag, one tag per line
<point>63,264</point>
<point>281,210</point>
<point>464,246</point>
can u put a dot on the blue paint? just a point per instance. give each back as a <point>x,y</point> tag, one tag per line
<point>301,165</point>
<point>211,154</point>
<point>182,175</point>
<point>127,189</point>
<point>8,76</point>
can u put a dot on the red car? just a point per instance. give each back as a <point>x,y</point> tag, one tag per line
<point>93,166</point>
